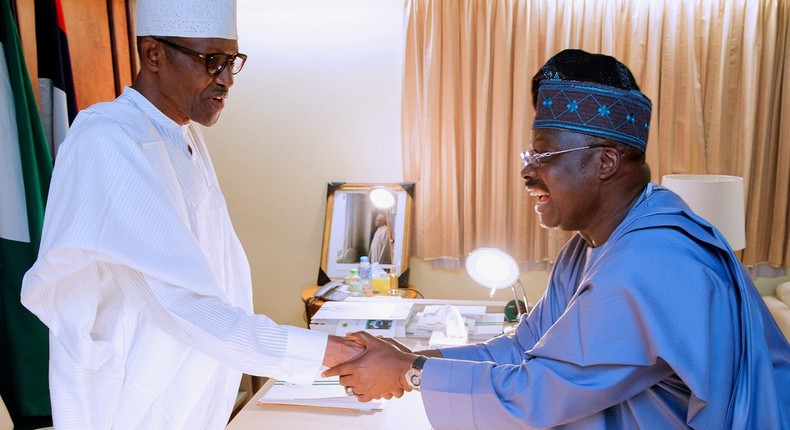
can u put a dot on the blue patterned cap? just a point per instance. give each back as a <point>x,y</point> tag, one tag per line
<point>593,94</point>
<point>598,110</point>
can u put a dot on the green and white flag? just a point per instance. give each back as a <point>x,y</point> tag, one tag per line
<point>25,172</point>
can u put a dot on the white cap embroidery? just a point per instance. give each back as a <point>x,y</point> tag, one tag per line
<point>187,18</point>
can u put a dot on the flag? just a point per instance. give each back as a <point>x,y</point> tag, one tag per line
<point>55,81</point>
<point>25,171</point>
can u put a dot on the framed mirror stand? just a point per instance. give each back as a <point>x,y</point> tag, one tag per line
<point>355,227</point>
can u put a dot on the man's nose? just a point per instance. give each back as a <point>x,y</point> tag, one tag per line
<point>527,171</point>
<point>225,77</point>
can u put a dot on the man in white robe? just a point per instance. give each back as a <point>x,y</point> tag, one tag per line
<point>380,244</point>
<point>141,278</point>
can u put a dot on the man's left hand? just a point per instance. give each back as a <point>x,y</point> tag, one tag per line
<point>340,350</point>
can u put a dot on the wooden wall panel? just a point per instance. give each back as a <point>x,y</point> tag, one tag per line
<point>89,45</point>
<point>126,68</point>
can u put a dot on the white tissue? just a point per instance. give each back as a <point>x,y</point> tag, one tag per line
<point>449,329</point>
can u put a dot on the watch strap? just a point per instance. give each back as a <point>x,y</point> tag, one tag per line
<point>419,362</point>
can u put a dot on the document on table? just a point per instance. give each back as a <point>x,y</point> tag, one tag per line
<point>372,310</point>
<point>323,393</point>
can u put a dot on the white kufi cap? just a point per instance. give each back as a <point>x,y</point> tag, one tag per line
<point>187,18</point>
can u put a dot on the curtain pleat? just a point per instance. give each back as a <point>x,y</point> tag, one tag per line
<point>716,70</point>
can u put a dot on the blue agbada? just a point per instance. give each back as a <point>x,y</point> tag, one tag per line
<point>658,328</point>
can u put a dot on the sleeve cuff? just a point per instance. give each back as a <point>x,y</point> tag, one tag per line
<point>446,393</point>
<point>302,364</point>
<point>466,352</point>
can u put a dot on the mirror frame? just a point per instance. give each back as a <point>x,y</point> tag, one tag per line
<point>339,195</point>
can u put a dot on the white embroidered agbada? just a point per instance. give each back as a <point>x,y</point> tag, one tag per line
<point>379,246</point>
<point>144,284</point>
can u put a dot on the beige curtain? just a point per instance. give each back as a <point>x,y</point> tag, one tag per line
<point>716,70</point>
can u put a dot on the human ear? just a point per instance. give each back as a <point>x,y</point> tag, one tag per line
<point>151,53</point>
<point>610,162</point>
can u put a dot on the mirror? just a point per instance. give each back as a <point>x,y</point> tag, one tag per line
<point>354,227</point>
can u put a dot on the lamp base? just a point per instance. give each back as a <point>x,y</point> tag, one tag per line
<point>513,313</point>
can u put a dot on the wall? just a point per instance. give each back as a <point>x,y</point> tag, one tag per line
<point>318,101</point>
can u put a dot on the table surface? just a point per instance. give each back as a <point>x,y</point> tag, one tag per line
<point>399,414</point>
<point>404,413</point>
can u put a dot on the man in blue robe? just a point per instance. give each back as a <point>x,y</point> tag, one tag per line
<point>649,320</point>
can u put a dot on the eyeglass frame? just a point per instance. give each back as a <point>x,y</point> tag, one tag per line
<point>533,158</point>
<point>207,57</point>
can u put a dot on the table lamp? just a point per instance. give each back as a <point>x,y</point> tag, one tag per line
<point>716,198</point>
<point>384,199</point>
<point>495,269</point>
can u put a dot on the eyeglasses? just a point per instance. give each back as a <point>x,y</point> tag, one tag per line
<point>216,62</point>
<point>535,158</point>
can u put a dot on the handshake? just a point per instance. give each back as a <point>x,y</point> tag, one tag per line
<point>370,367</point>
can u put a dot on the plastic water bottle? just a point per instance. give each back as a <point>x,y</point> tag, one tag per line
<point>364,276</point>
<point>354,283</point>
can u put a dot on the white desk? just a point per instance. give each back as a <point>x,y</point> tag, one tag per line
<point>399,414</point>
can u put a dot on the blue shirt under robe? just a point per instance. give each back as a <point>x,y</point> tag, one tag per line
<point>657,328</point>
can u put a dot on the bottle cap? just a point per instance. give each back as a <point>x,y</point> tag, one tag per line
<point>363,259</point>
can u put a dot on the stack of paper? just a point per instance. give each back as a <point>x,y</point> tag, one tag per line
<point>324,393</point>
<point>385,318</point>
<point>487,326</point>
<point>481,325</point>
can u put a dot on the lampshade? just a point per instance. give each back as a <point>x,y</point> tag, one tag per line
<point>492,268</point>
<point>382,198</point>
<point>717,198</point>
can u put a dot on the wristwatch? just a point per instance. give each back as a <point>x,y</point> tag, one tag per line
<point>414,375</point>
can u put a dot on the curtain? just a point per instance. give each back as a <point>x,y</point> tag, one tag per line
<point>716,71</point>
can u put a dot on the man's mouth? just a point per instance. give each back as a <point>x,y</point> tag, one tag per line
<point>543,196</point>
<point>536,189</point>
